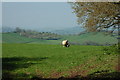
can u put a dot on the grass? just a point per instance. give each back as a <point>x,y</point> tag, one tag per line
<point>15,38</point>
<point>53,61</point>
<point>95,37</point>
<point>99,38</point>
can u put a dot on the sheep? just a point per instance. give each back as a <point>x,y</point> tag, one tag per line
<point>65,43</point>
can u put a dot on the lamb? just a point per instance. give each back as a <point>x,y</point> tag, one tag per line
<point>65,43</point>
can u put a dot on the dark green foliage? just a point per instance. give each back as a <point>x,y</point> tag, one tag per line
<point>41,35</point>
<point>114,49</point>
<point>37,35</point>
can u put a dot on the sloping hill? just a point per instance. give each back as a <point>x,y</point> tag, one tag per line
<point>92,37</point>
<point>86,38</point>
<point>16,38</point>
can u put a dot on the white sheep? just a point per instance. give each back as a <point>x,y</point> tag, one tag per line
<point>65,43</point>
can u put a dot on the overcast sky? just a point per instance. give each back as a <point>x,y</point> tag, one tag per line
<point>38,15</point>
<point>0,14</point>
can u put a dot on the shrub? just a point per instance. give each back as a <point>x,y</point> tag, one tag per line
<point>114,49</point>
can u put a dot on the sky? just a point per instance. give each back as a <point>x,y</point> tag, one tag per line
<point>60,0</point>
<point>0,14</point>
<point>38,15</point>
<point>36,0</point>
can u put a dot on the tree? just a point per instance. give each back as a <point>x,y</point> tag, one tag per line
<point>97,16</point>
<point>18,30</point>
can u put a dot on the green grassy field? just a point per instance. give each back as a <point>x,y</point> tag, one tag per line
<point>26,61</point>
<point>15,38</point>
<point>99,38</point>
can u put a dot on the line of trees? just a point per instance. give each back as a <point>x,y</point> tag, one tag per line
<point>37,35</point>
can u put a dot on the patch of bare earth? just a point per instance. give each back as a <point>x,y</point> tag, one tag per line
<point>79,71</point>
<point>117,67</point>
<point>75,71</point>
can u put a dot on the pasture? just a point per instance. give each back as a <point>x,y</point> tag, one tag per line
<point>96,38</point>
<point>28,61</point>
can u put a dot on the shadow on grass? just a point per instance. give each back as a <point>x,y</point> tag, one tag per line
<point>10,64</point>
<point>19,62</point>
<point>13,63</point>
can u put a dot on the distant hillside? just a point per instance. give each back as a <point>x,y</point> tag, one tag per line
<point>16,38</point>
<point>83,39</point>
<point>92,38</point>
<point>73,30</point>
<point>66,31</point>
